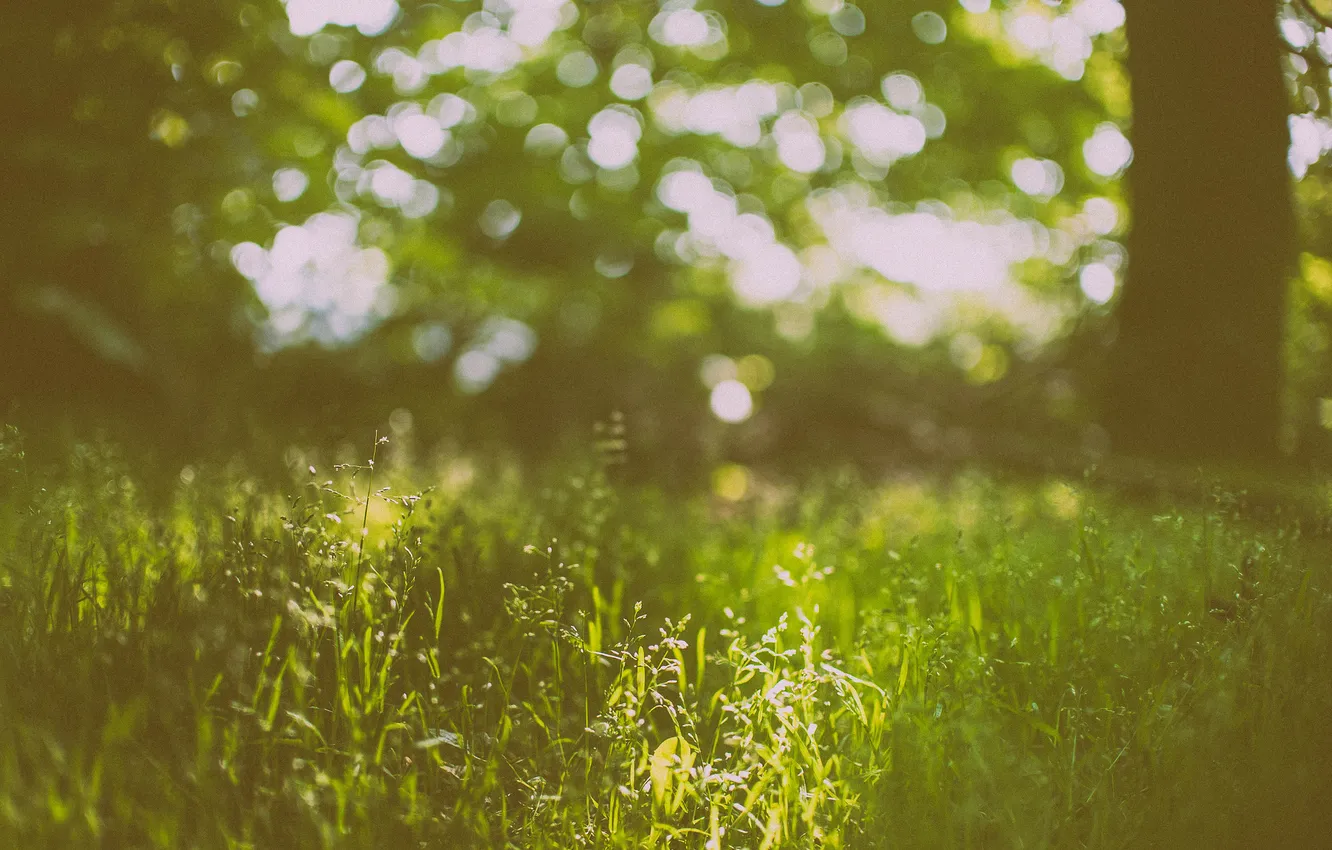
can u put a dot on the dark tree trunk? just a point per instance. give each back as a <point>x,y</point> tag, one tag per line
<point>1196,368</point>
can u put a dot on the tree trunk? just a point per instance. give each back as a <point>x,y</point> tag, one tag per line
<point>1196,368</point>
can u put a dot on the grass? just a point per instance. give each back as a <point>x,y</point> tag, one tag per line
<point>557,660</point>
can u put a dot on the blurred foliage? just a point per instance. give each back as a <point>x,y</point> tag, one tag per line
<point>513,217</point>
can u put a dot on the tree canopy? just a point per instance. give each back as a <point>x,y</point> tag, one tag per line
<point>519,213</point>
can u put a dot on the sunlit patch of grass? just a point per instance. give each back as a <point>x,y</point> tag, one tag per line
<point>555,661</point>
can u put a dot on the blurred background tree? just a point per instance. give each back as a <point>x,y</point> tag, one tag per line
<point>1198,357</point>
<point>766,230</point>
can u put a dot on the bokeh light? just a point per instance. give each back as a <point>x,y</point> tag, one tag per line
<point>289,184</point>
<point>577,69</point>
<point>930,27</point>
<point>346,76</point>
<point>500,219</point>
<point>1097,282</point>
<point>631,82</point>
<point>316,282</point>
<point>614,133</point>
<point>731,402</point>
<point>1041,178</point>
<point>369,17</point>
<point>1107,152</point>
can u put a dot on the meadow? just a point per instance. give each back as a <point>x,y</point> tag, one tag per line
<point>457,652</point>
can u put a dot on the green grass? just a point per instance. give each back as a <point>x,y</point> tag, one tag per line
<point>556,660</point>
